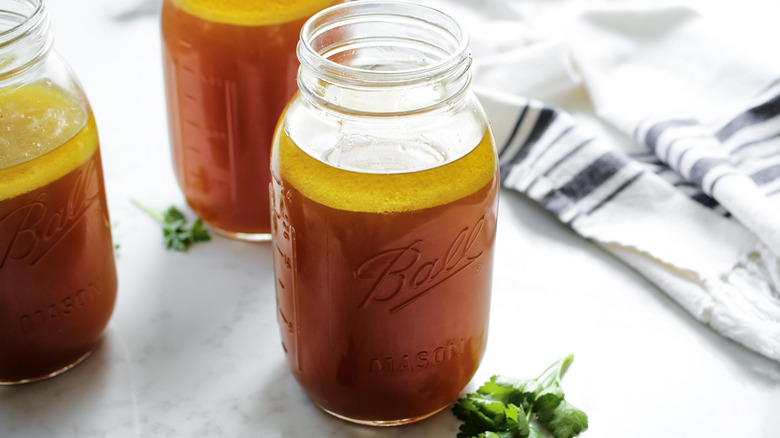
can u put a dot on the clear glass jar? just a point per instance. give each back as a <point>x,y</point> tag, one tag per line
<point>229,71</point>
<point>385,187</point>
<point>57,273</point>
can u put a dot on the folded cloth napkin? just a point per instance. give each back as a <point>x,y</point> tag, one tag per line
<point>638,127</point>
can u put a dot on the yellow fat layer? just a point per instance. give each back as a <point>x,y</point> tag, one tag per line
<point>385,193</point>
<point>63,137</point>
<point>252,12</point>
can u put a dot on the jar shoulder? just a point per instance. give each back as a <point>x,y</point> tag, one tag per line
<point>453,130</point>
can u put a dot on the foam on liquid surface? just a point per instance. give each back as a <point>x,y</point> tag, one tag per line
<point>389,191</point>
<point>252,12</point>
<point>44,134</point>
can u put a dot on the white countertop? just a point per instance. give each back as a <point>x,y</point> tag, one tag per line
<point>193,348</point>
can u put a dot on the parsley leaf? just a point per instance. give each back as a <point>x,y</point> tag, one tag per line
<point>504,407</point>
<point>546,402</point>
<point>176,235</point>
<point>566,421</point>
<point>490,419</point>
<point>521,392</point>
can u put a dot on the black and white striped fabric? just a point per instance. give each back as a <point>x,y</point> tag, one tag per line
<point>578,173</point>
<point>564,169</point>
<point>659,143</point>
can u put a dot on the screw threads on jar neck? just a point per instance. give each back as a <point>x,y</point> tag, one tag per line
<point>383,58</point>
<point>25,36</point>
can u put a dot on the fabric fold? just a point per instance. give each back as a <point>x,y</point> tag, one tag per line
<point>649,135</point>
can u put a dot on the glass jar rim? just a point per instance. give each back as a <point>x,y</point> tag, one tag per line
<point>459,58</point>
<point>27,40</point>
<point>27,21</point>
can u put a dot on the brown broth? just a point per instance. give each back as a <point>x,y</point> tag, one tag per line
<point>57,275</point>
<point>383,315</point>
<point>227,84</point>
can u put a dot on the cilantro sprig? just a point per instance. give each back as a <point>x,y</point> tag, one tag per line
<point>505,407</point>
<point>176,235</point>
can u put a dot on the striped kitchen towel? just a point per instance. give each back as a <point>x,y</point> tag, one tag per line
<point>642,131</point>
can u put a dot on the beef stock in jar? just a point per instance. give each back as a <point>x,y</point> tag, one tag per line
<point>384,196</point>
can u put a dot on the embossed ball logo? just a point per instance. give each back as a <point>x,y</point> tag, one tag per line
<point>401,276</point>
<point>32,230</point>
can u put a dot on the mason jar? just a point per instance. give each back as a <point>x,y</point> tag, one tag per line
<point>384,193</point>
<point>57,275</point>
<point>229,71</point>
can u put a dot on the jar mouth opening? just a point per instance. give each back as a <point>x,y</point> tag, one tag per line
<point>24,36</point>
<point>17,17</point>
<point>383,42</point>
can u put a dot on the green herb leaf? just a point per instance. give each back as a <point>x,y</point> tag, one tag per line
<point>176,235</point>
<point>503,407</point>
<point>546,402</point>
<point>566,421</point>
<point>521,392</point>
<point>486,418</point>
<point>173,215</point>
<point>199,232</point>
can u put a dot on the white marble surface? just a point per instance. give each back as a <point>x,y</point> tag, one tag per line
<point>193,348</point>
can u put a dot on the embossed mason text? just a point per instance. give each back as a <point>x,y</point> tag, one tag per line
<point>418,361</point>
